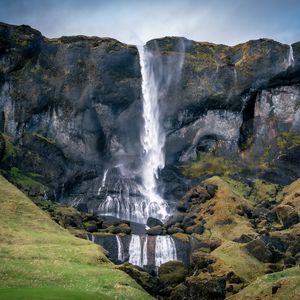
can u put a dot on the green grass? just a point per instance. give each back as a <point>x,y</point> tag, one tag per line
<point>37,253</point>
<point>287,281</point>
<point>49,294</point>
<point>44,138</point>
<point>210,164</point>
<point>23,181</point>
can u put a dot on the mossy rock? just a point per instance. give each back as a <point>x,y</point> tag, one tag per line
<point>90,226</point>
<point>172,272</point>
<point>148,282</point>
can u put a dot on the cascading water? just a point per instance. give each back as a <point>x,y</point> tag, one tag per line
<point>152,139</point>
<point>138,257</point>
<point>103,181</point>
<point>291,60</point>
<point>165,249</point>
<point>120,248</point>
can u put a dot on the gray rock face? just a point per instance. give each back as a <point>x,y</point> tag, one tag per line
<point>73,105</point>
<point>73,101</point>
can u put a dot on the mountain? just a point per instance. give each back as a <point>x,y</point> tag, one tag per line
<point>73,122</point>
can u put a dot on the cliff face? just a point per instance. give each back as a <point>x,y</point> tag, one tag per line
<point>72,104</point>
<point>72,107</point>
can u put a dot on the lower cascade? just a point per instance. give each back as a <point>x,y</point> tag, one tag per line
<point>120,248</point>
<point>165,250</point>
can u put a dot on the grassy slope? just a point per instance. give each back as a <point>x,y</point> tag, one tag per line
<point>287,283</point>
<point>39,258</point>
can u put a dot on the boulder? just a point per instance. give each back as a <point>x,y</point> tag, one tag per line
<point>211,189</point>
<point>172,272</point>
<point>174,229</point>
<point>259,250</point>
<point>287,215</point>
<point>90,226</point>
<point>179,292</point>
<point>201,260</point>
<point>148,282</point>
<point>151,222</point>
<point>156,230</point>
<point>206,287</point>
<point>121,228</point>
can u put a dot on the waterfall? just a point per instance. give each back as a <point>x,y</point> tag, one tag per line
<point>152,139</point>
<point>165,249</point>
<point>291,61</point>
<point>103,181</point>
<point>138,253</point>
<point>145,252</point>
<point>120,248</point>
<point>135,256</point>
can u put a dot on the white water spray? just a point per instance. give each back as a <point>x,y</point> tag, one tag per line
<point>103,181</point>
<point>165,249</point>
<point>138,250</point>
<point>291,60</point>
<point>152,139</point>
<point>120,248</point>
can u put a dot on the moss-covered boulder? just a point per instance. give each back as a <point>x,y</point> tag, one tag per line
<point>172,272</point>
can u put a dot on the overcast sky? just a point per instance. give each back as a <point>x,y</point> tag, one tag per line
<point>137,21</point>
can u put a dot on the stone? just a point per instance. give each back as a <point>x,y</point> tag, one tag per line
<point>148,282</point>
<point>151,222</point>
<point>211,189</point>
<point>201,260</point>
<point>121,228</point>
<point>156,230</point>
<point>287,215</point>
<point>206,287</point>
<point>179,292</point>
<point>188,221</point>
<point>174,229</point>
<point>172,272</point>
<point>259,250</point>
<point>90,226</point>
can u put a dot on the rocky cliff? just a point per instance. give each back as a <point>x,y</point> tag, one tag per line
<point>71,107</point>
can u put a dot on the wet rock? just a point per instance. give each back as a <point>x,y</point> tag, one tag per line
<point>174,229</point>
<point>121,228</point>
<point>172,272</point>
<point>151,222</point>
<point>156,230</point>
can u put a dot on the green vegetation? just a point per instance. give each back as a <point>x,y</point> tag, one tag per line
<point>287,140</point>
<point>43,138</point>
<point>49,294</point>
<point>210,164</point>
<point>285,285</point>
<point>23,181</point>
<point>37,253</point>
<point>239,187</point>
<point>260,191</point>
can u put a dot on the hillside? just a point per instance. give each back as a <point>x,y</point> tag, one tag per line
<point>39,259</point>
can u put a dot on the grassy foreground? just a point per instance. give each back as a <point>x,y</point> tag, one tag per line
<point>41,260</point>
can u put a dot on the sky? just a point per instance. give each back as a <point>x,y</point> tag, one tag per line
<point>137,21</point>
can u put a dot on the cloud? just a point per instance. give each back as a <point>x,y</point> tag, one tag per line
<point>135,22</point>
